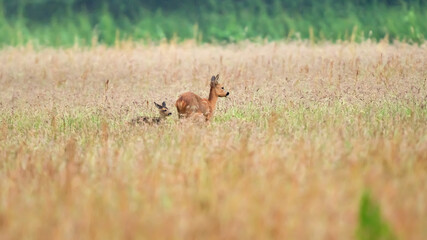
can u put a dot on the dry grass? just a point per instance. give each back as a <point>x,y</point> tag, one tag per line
<point>304,132</point>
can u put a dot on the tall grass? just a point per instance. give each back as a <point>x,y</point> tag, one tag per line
<point>304,131</point>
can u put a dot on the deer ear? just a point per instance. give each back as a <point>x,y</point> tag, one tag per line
<point>163,104</point>
<point>213,81</point>
<point>158,105</point>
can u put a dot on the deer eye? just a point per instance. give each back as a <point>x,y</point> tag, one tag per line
<point>222,88</point>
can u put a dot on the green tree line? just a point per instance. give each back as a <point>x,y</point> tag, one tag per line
<point>66,22</point>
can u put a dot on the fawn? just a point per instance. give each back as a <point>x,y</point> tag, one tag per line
<point>163,110</point>
<point>189,104</point>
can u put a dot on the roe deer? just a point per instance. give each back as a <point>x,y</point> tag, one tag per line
<point>189,103</point>
<point>163,110</point>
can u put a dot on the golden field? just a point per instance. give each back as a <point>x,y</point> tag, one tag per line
<point>306,130</point>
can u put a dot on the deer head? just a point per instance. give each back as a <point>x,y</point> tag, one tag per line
<point>163,110</point>
<point>217,87</point>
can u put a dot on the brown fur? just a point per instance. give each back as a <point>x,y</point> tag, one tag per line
<point>189,104</point>
<point>163,111</point>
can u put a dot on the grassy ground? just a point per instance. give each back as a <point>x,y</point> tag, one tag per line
<point>305,132</point>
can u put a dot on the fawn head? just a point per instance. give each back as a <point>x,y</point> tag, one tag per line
<point>163,110</point>
<point>219,89</point>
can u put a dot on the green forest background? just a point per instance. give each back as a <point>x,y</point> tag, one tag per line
<point>83,22</point>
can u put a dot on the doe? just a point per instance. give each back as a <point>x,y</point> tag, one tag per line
<point>189,104</point>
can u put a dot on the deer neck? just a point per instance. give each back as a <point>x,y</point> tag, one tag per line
<point>212,99</point>
<point>162,117</point>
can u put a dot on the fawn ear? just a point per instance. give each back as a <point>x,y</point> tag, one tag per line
<point>158,105</point>
<point>163,104</point>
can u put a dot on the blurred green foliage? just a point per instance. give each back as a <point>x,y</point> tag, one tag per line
<point>67,22</point>
<point>372,226</point>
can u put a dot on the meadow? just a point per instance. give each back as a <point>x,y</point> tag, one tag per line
<point>306,132</point>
